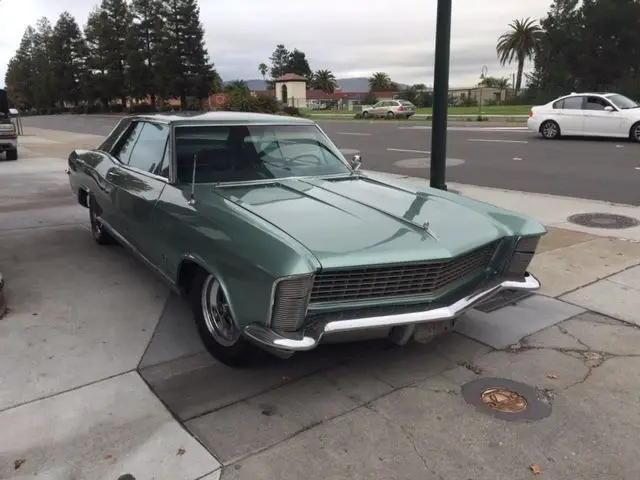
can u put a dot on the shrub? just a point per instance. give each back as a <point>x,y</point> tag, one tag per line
<point>143,107</point>
<point>239,102</point>
<point>358,116</point>
<point>293,111</point>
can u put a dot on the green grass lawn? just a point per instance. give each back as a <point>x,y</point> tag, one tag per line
<point>488,110</point>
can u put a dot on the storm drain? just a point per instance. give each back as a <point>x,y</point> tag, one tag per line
<point>502,299</point>
<point>604,220</point>
<point>506,399</point>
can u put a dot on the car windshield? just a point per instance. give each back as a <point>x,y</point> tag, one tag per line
<point>244,153</point>
<point>622,102</point>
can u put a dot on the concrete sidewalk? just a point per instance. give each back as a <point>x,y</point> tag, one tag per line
<point>103,374</point>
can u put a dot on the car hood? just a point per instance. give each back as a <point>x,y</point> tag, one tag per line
<point>361,221</point>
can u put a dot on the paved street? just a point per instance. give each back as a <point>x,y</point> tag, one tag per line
<point>485,155</point>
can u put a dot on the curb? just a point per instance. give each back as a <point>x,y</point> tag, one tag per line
<point>3,303</point>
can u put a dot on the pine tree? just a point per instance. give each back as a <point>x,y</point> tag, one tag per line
<point>186,69</point>
<point>144,48</point>
<point>19,78</point>
<point>45,95</point>
<point>107,34</point>
<point>68,52</point>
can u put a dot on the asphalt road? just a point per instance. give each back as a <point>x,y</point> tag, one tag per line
<point>485,155</point>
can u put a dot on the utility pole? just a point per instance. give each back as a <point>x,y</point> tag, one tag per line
<point>440,96</point>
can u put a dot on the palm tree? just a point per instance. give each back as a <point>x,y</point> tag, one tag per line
<point>324,80</point>
<point>263,69</point>
<point>380,82</point>
<point>520,42</point>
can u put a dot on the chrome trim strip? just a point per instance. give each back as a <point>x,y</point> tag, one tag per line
<point>310,338</point>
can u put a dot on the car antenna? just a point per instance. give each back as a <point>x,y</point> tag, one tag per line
<point>192,197</point>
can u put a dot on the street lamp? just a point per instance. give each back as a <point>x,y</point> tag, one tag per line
<point>483,75</point>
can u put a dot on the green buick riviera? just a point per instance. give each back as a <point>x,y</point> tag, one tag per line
<point>279,243</point>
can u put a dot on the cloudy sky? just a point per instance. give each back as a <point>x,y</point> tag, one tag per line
<point>350,37</point>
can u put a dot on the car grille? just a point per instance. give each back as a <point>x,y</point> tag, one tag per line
<point>397,280</point>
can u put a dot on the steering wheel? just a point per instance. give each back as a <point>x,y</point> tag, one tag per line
<point>273,145</point>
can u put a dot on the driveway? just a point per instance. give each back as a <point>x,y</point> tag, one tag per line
<point>103,374</point>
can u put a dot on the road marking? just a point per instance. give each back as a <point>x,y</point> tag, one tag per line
<point>402,150</point>
<point>495,140</point>
<point>359,134</point>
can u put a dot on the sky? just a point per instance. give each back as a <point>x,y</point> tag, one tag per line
<point>352,38</point>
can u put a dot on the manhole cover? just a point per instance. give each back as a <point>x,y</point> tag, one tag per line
<point>506,399</point>
<point>603,220</point>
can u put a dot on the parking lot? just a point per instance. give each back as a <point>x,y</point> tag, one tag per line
<point>103,374</point>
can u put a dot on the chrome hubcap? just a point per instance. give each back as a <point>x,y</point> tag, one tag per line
<point>549,130</point>
<point>217,314</point>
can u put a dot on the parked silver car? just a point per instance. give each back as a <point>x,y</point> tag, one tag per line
<point>390,109</point>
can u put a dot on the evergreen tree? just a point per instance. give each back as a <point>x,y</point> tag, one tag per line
<point>144,48</point>
<point>299,65</point>
<point>107,34</point>
<point>19,77</point>
<point>185,66</point>
<point>279,61</point>
<point>68,53</point>
<point>44,92</point>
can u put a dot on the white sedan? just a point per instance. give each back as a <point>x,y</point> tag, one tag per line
<point>587,114</point>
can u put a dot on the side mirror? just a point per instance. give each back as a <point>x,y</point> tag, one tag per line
<point>608,108</point>
<point>356,162</point>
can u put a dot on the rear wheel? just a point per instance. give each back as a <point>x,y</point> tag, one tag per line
<point>12,154</point>
<point>100,233</point>
<point>550,130</point>
<point>215,323</point>
<point>634,133</point>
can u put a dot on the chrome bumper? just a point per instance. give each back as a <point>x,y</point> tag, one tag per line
<point>310,337</point>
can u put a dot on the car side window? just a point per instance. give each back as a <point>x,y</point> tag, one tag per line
<point>559,104</point>
<point>596,103</point>
<point>122,150</point>
<point>149,150</point>
<point>109,143</point>
<point>573,103</point>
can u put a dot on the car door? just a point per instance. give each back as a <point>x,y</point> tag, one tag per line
<point>140,183</point>
<point>571,115</point>
<point>119,149</point>
<point>601,122</point>
<point>378,109</point>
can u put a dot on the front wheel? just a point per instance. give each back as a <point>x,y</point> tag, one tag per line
<point>365,114</point>
<point>634,133</point>
<point>550,130</point>
<point>215,323</point>
<point>391,115</point>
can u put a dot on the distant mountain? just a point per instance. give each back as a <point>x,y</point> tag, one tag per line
<point>358,84</point>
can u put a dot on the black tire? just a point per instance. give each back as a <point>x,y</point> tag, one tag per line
<point>219,333</point>
<point>550,130</point>
<point>365,114</point>
<point>98,230</point>
<point>12,154</point>
<point>634,132</point>
<point>391,115</point>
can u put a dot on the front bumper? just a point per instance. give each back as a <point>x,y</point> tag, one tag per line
<point>311,336</point>
<point>8,144</point>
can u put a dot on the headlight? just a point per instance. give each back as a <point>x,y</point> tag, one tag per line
<point>290,301</point>
<point>522,256</point>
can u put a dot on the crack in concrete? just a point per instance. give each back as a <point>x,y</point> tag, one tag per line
<point>566,332</point>
<point>409,438</point>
